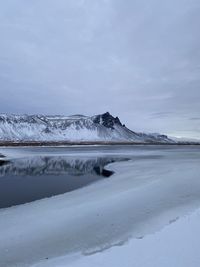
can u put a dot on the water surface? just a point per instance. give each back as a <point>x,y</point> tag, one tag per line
<point>35,177</point>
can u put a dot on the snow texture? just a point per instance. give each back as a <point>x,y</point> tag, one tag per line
<point>177,245</point>
<point>72,128</point>
<point>150,191</point>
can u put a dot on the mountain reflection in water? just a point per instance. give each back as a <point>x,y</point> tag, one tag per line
<point>28,179</point>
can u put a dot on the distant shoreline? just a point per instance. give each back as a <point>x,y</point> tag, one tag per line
<point>85,143</point>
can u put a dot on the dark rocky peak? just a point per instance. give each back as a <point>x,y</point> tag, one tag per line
<point>107,120</point>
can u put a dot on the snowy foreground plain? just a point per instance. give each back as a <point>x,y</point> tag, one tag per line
<point>146,214</point>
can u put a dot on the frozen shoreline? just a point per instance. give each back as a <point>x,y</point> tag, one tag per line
<point>175,245</point>
<point>144,195</point>
<point>52,144</point>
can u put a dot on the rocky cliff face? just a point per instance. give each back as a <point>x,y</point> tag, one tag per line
<point>107,120</point>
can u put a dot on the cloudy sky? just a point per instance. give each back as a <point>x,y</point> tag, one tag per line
<point>138,59</point>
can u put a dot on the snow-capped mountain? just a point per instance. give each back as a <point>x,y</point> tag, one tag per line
<point>102,127</point>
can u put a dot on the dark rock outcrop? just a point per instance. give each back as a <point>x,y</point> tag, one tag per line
<point>107,120</point>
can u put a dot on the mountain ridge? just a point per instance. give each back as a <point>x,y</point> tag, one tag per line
<point>103,127</point>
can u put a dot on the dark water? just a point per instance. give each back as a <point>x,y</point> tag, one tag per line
<point>27,179</point>
<point>36,173</point>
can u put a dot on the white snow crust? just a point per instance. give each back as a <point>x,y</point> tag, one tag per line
<point>177,245</point>
<point>127,220</point>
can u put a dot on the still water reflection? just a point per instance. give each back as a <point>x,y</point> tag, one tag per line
<point>28,179</point>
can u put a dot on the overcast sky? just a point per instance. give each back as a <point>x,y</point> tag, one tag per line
<point>138,59</point>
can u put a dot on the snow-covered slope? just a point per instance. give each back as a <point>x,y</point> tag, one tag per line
<point>102,127</point>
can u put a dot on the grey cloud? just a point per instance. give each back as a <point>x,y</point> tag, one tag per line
<point>138,59</point>
<point>195,119</point>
